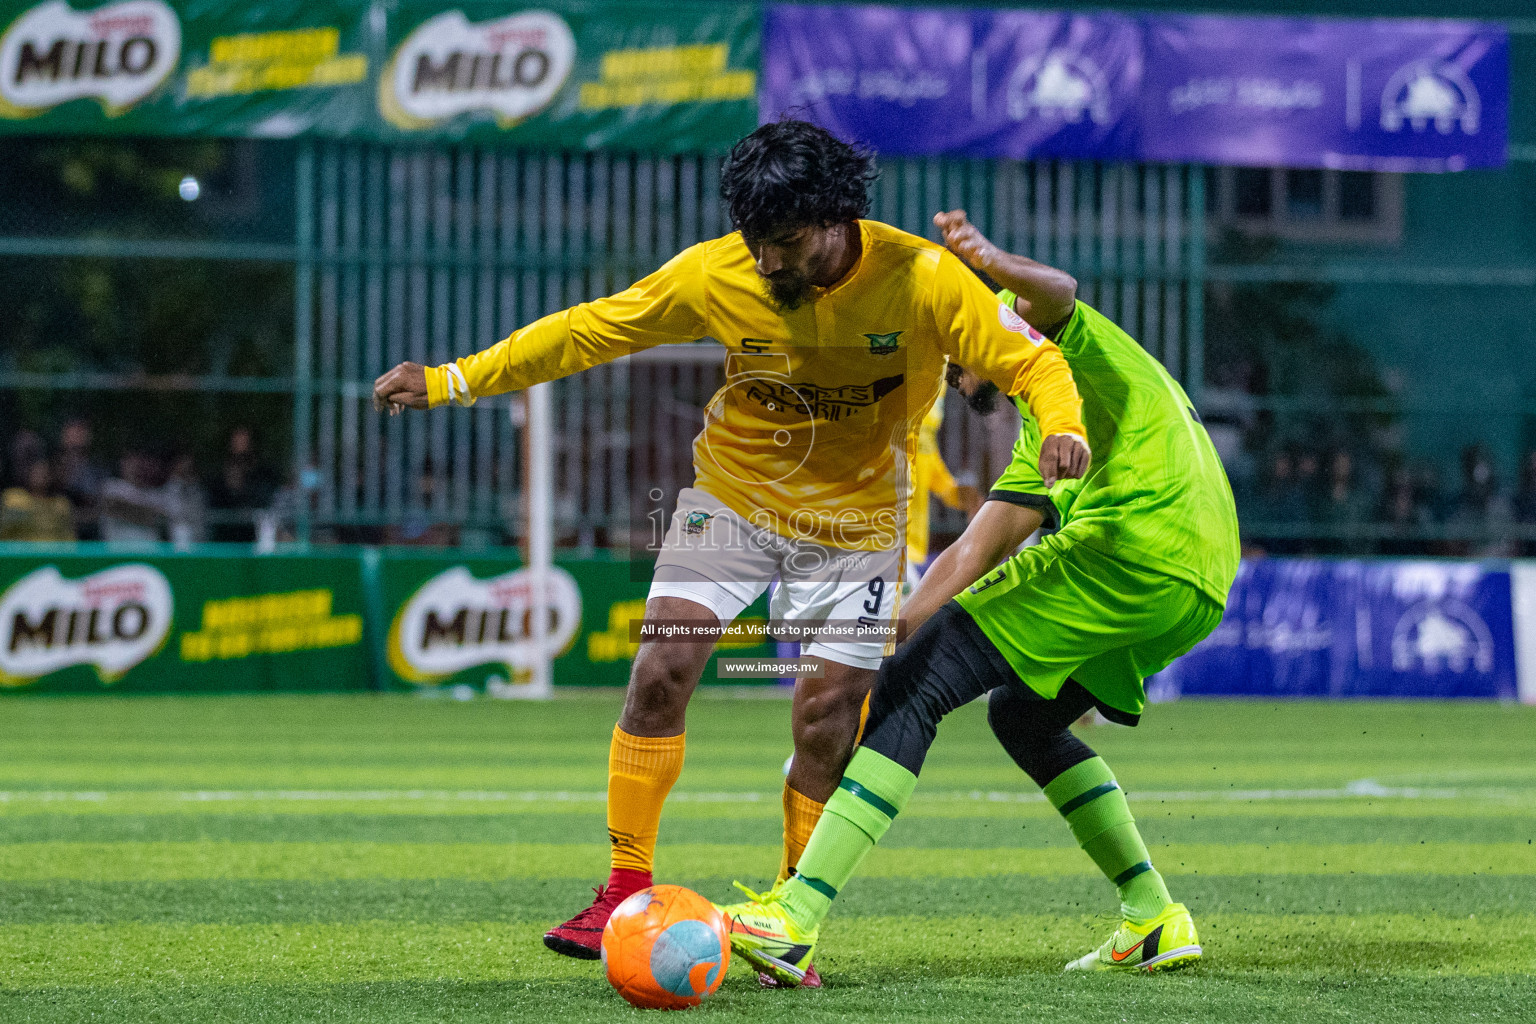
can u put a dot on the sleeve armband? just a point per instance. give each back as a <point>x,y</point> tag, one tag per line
<point>1039,502</point>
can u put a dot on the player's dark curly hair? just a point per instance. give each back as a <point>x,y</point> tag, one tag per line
<point>790,174</point>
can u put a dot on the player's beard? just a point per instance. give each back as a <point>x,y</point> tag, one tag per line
<point>787,290</point>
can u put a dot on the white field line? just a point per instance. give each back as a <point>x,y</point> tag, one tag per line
<point>1359,789</point>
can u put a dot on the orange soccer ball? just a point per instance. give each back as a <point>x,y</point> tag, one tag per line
<point>666,948</point>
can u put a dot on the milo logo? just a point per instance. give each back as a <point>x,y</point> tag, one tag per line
<point>111,620</point>
<point>511,68</point>
<point>117,54</point>
<point>455,622</point>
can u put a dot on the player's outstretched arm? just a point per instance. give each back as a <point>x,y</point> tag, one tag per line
<point>994,534</point>
<point>664,308</point>
<point>1047,296</point>
<point>404,387</point>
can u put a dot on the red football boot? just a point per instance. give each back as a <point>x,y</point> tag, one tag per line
<point>582,936</point>
<point>811,979</point>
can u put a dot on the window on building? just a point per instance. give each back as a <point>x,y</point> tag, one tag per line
<point>1252,192</point>
<point>1304,195</point>
<point>1306,205</point>
<point>1357,195</point>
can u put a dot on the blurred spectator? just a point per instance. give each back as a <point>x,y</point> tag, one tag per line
<point>1523,508</point>
<point>1278,501</point>
<point>81,476</point>
<point>1226,409</point>
<point>1402,509</point>
<point>25,449</point>
<point>186,506</point>
<point>1344,507</point>
<point>132,505</point>
<point>418,526</point>
<point>35,511</point>
<point>1282,500</point>
<point>1479,512</point>
<point>1308,485</point>
<point>242,486</point>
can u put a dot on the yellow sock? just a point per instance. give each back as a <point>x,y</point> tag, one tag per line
<point>641,772</point>
<point>800,816</point>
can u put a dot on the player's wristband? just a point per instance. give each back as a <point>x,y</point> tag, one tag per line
<point>446,384</point>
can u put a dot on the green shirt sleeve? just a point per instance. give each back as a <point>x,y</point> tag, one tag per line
<point>1020,483</point>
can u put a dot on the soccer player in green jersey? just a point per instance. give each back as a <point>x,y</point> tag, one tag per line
<point>1136,574</point>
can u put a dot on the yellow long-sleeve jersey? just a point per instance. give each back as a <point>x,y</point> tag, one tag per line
<point>813,433</point>
<point>930,476</point>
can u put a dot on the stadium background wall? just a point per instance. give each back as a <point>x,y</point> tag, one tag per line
<point>383,248</point>
<point>100,620</point>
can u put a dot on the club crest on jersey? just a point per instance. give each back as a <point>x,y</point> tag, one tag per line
<point>1013,322</point>
<point>884,344</point>
<point>696,522</point>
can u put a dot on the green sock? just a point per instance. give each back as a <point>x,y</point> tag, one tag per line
<point>1094,805</point>
<point>872,793</point>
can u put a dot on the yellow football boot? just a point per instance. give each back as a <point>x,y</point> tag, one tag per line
<point>1163,943</point>
<point>763,934</point>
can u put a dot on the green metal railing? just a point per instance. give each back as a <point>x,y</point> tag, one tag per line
<point>426,254</point>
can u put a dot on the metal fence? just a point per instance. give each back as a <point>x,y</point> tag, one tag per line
<point>426,254</point>
<point>430,254</point>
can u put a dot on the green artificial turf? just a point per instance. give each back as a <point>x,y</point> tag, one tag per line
<point>388,859</point>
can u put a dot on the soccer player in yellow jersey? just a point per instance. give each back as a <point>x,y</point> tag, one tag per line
<point>930,476</point>
<point>836,331</point>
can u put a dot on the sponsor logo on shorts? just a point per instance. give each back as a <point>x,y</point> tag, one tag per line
<point>696,522</point>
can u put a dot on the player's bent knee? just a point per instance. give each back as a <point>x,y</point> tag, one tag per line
<point>663,680</point>
<point>826,725</point>
<point>1032,733</point>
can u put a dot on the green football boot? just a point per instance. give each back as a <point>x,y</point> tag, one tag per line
<point>763,934</point>
<point>1163,943</point>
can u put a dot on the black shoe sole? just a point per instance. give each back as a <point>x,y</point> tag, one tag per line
<point>565,947</point>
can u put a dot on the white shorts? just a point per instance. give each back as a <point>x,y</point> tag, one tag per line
<point>715,558</point>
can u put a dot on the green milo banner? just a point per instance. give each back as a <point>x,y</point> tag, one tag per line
<point>564,75</point>
<point>93,620</point>
<point>677,77</point>
<point>93,623</point>
<point>467,621</point>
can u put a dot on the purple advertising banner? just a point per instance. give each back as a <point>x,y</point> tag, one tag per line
<point>1312,627</point>
<point>895,79</point>
<point>982,83</point>
<point>1055,85</point>
<point>1377,94</point>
